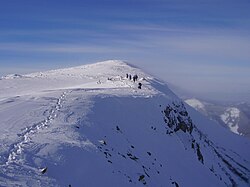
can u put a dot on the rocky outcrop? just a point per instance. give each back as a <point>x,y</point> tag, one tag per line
<point>176,117</point>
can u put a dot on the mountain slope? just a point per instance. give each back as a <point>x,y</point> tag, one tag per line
<point>235,117</point>
<point>92,126</point>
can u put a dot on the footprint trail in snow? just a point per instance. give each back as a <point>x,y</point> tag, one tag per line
<point>15,155</point>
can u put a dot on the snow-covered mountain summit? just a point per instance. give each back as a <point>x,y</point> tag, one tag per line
<point>92,126</point>
<point>93,76</point>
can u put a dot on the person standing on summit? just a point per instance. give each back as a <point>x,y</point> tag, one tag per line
<point>135,77</point>
<point>139,85</point>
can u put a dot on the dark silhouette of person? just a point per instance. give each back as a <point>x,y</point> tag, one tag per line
<point>135,77</point>
<point>130,77</point>
<point>139,85</point>
<point>126,75</point>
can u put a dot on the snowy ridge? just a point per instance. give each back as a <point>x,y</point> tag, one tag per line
<point>91,126</point>
<point>86,77</point>
<point>195,103</point>
<point>12,76</point>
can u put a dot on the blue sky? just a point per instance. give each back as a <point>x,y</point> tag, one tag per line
<point>199,45</point>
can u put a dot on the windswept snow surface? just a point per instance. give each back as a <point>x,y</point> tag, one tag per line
<point>92,126</point>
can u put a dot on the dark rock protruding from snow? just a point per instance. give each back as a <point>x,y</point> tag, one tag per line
<point>176,117</point>
<point>43,170</point>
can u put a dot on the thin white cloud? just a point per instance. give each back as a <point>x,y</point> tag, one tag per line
<point>63,48</point>
<point>225,46</point>
<point>156,28</point>
<point>50,33</point>
<point>215,46</point>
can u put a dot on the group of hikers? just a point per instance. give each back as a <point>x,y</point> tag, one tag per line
<point>135,78</point>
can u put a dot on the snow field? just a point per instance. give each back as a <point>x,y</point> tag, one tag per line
<point>91,126</point>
